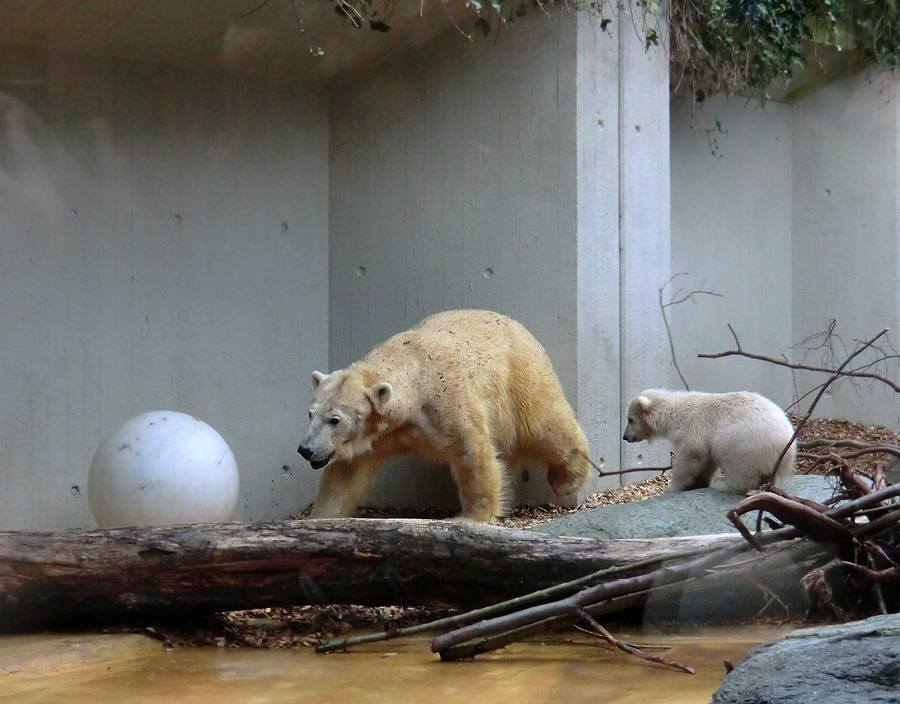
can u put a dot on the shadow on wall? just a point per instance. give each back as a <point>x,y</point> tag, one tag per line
<point>37,174</point>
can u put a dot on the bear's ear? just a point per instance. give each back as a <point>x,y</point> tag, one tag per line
<point>318,378</point>
<point>643,403</point>
<point>379,394</point>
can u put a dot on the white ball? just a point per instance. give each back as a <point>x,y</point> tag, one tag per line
<point>162,468</point>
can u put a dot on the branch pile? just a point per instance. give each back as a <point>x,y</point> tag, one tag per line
<point>820,539</point>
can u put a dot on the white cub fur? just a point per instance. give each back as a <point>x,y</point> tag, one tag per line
<point>728,442</point>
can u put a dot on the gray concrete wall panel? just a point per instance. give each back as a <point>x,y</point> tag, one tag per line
<point>164,247</point>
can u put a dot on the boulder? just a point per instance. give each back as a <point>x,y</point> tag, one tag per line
<point>772,596</point>
<point>843,664</point>
<point>679,514</point>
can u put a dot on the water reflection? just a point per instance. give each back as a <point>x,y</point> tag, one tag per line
<point>130,669</point>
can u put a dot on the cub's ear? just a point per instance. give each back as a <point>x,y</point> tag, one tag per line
<point>318,378</point>
<point>643,403</point>
<point>379,394</point>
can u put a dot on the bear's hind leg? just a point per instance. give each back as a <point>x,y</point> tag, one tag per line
<point>568,474</point>
<point>562,445</point>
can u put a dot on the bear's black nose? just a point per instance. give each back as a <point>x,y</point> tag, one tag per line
<point>305,452</point>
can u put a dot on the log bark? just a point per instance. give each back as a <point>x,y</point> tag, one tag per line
<point>136,576</point>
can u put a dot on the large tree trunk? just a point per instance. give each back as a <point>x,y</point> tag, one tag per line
<point>139,575</point>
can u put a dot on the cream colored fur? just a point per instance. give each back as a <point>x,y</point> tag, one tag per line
<point>468,388</point>
<point>728,442</point>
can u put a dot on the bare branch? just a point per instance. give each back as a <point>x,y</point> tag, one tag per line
<point>630,649</point>
<point>675,300</point>
<point>861,448</point>
<point>834,375</point>
<point>509,605</point>
<point>255,9</point>
<point>661,470</point>
<point>495,633</point>
<point>802,367</point>
<point>302,29</point>
<point>809,521</point>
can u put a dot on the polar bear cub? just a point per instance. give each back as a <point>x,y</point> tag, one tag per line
<point>729,442</point>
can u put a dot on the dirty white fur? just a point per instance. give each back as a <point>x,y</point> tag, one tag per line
<point>470,389</point>
<point>727,441</point>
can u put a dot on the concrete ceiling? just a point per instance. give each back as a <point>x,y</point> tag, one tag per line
<point>278,39</point>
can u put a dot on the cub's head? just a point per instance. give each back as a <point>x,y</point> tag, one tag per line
<point>638,427</point>
<point>340,413</point>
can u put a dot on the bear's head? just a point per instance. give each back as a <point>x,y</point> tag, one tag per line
<point>342,415</point>
<point>638,426</point>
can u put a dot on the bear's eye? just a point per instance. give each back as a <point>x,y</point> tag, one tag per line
<point>334,421</point>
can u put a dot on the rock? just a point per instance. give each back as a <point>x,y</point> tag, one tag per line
<point>854,662</point>
<point>774,596</point>
<point>697,512</point>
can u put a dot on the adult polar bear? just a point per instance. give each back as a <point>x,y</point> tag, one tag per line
<point>728,442</point>
<point>468,388</point>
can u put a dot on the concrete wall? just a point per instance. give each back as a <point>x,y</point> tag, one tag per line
<point>731,235</point>
<point>790,215</point>
<point>164,246</point>
<point>492,176</point>
<point>453,186</point>
<point>845,224</point>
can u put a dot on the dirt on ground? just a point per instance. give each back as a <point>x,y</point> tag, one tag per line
<point>308,625</point>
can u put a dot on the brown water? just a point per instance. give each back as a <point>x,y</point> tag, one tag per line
<point>102,669</point>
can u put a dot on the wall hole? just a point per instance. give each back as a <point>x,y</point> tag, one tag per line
<point>361,271</point>
<point>488,273</point>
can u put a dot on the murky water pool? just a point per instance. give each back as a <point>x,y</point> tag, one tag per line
<point>102,669</point>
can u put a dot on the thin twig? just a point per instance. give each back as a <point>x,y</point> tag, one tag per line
<point>255,9</point>
<point>661,470</point>
<point>855,373</point>
<point>302,29</point>
<point>672,302</point>
<point>862,448</point>
<point>631,650</point>
<point>835,374</point>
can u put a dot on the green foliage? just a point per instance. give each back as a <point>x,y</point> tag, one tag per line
<point>744,45</point>
<point>715,46</point>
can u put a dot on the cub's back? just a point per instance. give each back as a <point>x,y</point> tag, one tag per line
<point>747,406</point>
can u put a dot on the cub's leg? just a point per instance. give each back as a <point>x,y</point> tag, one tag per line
<point>342,487</point>
<point>479,477</point>
<point>690,469</point>
<point>736,482</point>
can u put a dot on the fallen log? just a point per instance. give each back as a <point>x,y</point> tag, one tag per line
<point>136,576</point>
